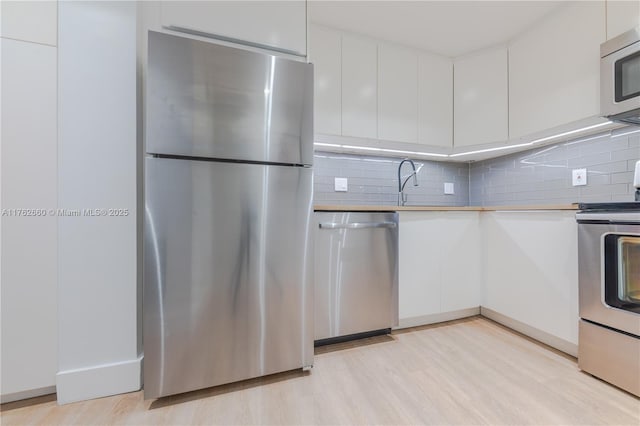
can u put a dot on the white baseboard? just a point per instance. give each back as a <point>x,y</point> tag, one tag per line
<point>436,318</point>
<point>535,333</point>
<point>99,381</point>
<point>33,393</point>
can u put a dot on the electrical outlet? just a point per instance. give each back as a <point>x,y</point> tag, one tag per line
<point>449,188</point>
<point>341,184</point>
<point>579,177</point>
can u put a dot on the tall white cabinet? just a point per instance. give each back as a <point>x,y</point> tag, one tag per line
<point>29,242</point>
<point>30,21</point>
<point>28,181</point>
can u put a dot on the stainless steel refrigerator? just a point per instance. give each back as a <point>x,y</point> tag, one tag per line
<point>228,190</point>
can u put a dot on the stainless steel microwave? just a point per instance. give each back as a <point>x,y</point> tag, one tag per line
<point>620,78</point>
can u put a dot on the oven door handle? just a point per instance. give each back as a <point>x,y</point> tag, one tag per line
<point>609,218</point>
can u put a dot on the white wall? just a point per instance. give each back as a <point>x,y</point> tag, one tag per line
<point>98,289</point>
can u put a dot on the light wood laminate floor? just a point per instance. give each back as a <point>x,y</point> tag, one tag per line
<point>464,372</point>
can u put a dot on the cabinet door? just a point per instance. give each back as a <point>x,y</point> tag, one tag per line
<point>622,15</point>
<point>359,87</point>
<point>29,181</point>
<point>325,52</point>
<point>276,24</point>
<point>397,94</point>
<point>435,100</point>
<point>531,269</point>
<point>554,69</point>
<point>35,21</point>
<point>480,98</point>
<point>433,246</point>
<point>420,269</point>
<point>460,244</point>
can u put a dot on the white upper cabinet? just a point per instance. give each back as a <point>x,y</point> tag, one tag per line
<point>435,100</point>
<point>554,69</point>
<point>34,21</point>
<point>480,98</point>
<point>397,93</point>
<point>325,52</point>
<point>359,87</point>
<point>276,24</point>
<point>545,79</point>
<point>369,89</point>
<point>622,15</point>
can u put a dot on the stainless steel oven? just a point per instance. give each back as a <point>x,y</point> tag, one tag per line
<point>609,280</point>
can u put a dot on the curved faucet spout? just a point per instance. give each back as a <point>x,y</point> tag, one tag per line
<point>402,199</point>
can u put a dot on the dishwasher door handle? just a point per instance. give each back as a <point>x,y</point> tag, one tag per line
<point>357,225</point>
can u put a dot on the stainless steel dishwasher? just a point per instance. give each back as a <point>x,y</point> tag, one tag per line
<point>356,274</point>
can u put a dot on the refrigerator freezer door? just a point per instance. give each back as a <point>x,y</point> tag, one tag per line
<point>208,100</point>
<point>227,273</point>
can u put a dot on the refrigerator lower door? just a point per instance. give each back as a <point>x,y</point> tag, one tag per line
<point>227,273</point>
<point>356,273</point>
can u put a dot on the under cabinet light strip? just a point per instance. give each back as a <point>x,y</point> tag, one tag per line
<point>395,151</point>
<point>625,133</point>
<point>367,148</point>
<point>459,154</point>
<point>571,132</point>
<point>332,145</point>
<point>499,148</point>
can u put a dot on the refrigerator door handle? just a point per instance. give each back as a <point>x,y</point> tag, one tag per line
<point>357,225</point>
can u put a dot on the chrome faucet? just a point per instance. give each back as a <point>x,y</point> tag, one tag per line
<point>402,197</point>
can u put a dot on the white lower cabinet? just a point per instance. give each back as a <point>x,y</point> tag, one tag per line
<point>440,268</point>
<point>521,267</point>
<point>530,278</point>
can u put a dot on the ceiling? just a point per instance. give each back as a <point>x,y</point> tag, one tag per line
<point>450,28</point>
